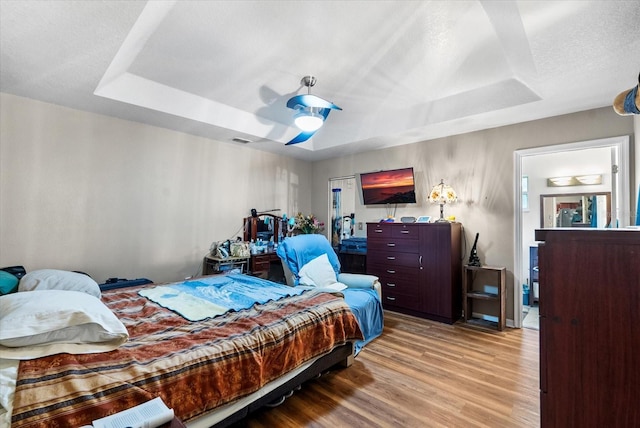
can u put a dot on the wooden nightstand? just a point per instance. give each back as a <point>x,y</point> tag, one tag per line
<point>212,265</point>
<point>493,290</point>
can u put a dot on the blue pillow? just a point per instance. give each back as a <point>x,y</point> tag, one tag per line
<point>8,283</point>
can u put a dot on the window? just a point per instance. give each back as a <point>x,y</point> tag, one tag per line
<point>525,193</point>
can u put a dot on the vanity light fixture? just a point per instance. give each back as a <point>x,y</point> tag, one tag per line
<point>590,179</point>
<point>560,181</point>
<point>579,180</point>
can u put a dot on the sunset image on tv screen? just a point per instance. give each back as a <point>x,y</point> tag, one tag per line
<point>388,187</point>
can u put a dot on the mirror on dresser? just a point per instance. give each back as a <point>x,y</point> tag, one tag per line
<point>589,209</point>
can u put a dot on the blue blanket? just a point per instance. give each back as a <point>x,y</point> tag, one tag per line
<point>208,297</point>
<point>366,306</point>
<point>364,302</point>
<point>297,251</point>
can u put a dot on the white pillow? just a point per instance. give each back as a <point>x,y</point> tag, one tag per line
<point>47,322</point>
<point>319,273</point>
<point>53,279</point>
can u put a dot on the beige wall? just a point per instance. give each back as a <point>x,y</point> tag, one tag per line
<point>113,198</point>
<point>110,197</point>
<point>480,167</point>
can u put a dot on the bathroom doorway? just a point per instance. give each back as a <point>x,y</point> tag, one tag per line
<point>527,197</point>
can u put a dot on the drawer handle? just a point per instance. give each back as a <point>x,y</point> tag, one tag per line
<point>390,284</point>
<point>391,258</point>
<point>391,244</point>
<point>378,230</point>
<point>391,298</point>
<point>404,231</point>
<point>391,271</point>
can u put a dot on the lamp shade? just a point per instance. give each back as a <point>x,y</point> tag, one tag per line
<point>308,120</point>
<point>442,194</point>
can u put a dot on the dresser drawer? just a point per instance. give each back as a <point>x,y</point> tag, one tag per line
<point>394,300</point>
<point>260,265</point>
<point>399,285</point>
<point>393,245</point>
<point>391,259</point>
<point>378,229</point>
<point>405,231</point>
<point>397,275</point>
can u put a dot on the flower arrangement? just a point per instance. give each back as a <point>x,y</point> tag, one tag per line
<point>308,224</point>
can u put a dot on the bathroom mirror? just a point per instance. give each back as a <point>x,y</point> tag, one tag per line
<point>591,209</point>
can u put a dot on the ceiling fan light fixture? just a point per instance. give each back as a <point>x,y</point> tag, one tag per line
<point>308,120</point>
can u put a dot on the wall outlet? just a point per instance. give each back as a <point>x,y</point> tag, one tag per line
<point>360,225</point>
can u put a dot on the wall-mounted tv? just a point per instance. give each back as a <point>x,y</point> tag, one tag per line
<point>395,186</point>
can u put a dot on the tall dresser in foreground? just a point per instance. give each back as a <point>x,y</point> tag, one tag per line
<point>589,327</point>
<point>419,266</point>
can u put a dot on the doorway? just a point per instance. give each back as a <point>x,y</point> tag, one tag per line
<point>527,210</point>
<point>341,209</point>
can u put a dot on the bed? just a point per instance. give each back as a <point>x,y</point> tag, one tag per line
<point>211,371</point>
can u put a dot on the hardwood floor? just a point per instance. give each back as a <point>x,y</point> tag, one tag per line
<point>421,373</point>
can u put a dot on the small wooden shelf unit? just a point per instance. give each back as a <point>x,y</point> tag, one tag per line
<point>469,294</point>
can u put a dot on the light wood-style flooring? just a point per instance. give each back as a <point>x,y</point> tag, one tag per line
<point>421,373</point>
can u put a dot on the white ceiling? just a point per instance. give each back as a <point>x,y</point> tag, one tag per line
<point>402,71</point>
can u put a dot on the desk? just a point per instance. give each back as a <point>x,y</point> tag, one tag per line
<point>260,264</point>
<point>212,264</point>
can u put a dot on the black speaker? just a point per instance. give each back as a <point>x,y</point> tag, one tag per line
<point>17,271</point>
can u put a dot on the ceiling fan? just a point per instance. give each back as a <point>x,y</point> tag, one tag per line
<point>311,111</point>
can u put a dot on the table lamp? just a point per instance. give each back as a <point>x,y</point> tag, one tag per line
<point>442,194</point>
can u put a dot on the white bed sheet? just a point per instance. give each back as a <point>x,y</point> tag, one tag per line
<point>8,376</point>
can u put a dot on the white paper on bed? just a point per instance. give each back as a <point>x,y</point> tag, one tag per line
<point>151,414</point>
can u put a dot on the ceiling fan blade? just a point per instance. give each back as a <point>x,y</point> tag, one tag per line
<point>301,138</point>
<point>309,100</point>
<point>325,112</point>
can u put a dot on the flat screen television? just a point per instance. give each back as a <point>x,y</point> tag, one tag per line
<point>395,186</point>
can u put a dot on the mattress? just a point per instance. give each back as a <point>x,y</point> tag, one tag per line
<point>195,367</point>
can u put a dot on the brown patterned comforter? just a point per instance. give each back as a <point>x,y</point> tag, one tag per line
<point>193,366</point>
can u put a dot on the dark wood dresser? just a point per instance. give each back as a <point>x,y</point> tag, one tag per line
<point>589,327</point>
<point>419,266</point>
